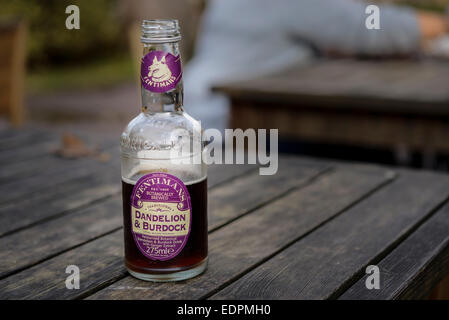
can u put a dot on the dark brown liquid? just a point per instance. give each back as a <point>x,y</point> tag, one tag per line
<point>195,250</point>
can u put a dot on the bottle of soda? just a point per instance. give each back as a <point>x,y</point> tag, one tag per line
<point>164,180</point>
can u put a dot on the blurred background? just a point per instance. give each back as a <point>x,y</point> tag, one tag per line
<point>307,67</point>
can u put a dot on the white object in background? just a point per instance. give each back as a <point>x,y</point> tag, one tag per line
<point>439,48</point>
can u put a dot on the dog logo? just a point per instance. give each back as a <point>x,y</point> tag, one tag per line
<point>159,70</point>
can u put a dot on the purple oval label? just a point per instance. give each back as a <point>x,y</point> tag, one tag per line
<point>160,215</point>
<point>160,71</point>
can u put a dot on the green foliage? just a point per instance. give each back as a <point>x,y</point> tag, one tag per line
<point>51,43</point>
<point>101,73</point>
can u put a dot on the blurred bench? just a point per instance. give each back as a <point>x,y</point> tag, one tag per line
<point>398,105</point>
<point>12,69</point>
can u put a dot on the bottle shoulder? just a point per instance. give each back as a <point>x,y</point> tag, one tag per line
<point>158,131</point>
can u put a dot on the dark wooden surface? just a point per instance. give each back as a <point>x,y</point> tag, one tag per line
<point>387,104</point>
<point>394,87</point>
<point>307,232</point>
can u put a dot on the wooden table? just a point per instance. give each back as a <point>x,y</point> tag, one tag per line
<point>308,232</point>
<point>398,105</point>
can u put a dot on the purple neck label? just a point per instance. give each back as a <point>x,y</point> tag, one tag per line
<point>161,215</point>
<point>160,71</point>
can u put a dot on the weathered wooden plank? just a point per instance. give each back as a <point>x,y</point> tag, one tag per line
<point>62,170</point>
<point>220,173</point>
<point>46,160</point>
<point>18,138</point>
<point>325,262</point>
<point>375,130</point>
<point>24,168</point>
<point>412,269</point>
<point>248,241</point>
<point>27,153</point>
<point>30,246</point>
<point>106,216</point>
<point>32,152</point>
<point>327,85</point>
<point>6,130</point>
<point>47,278</point>
<point>238,196</point>
<point>68,196</point>
<point>100,262</point>
<point>42,250</point>
<point>83,191</point>
<point>48,178</point>
<point>321,103</point>
<point>11,159</point>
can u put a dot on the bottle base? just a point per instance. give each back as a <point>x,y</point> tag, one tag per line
<point>174,276</point>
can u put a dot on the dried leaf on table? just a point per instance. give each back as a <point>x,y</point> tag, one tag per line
<point>72,147</point>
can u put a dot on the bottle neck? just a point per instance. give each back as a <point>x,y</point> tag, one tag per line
<point>161,78</point>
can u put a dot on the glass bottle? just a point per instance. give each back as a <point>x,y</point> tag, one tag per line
<point>164,189</point>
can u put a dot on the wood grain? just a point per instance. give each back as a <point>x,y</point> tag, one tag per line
<point>221,173</point>
<point>79,226</point>
<point>326,262</point>
<point>419,88</point>
<point>100,263</point>
<point>307,232</point>
<point>15,138</point>
<point>67,197</point>
<point>383,105</point>
<point>50,177</point>
<point>248,241</point>
<point>79,192</point>
<point>29,144</point>
<point>239,196</point>
<point>348,128</point>
<point>28,152</point>
<point>101,212</point>
<point>412,269</point>
<point>25,248</point>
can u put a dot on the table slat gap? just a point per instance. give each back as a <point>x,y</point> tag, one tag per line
<point>286,193</point>
<point>104,222</point>
<point>65,171</point>
<point>362,198</point>
<point>227,264</point>
<point>100,189</point>
<point>412,269</point>
<point>5,275</point>
<point>326,262</point>
<point>358,275</point>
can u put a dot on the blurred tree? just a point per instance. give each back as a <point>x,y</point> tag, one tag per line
<point>50,43</point>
